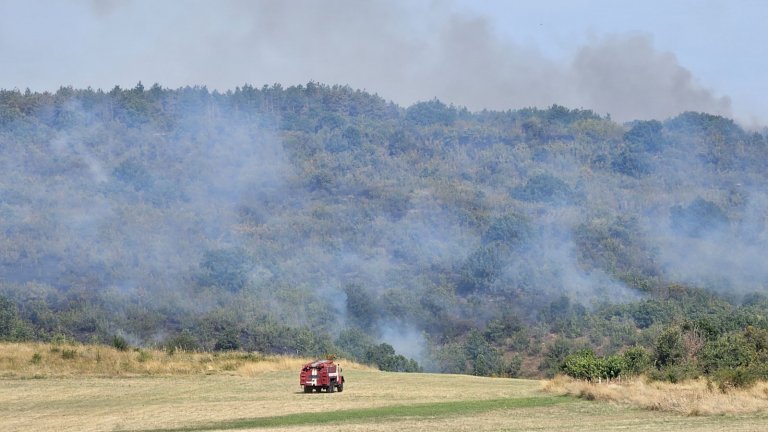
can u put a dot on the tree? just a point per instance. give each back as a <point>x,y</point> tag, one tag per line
<point>555,356</point>
<point>510,229</point>
<point>636,360</point>
<point>544,188</point>
<point>184,341</point>
<point>480,270</point>
<point>698,217</point>
<point>8,319</point>
<point>485,360</point>
<point>727,352</point>
<point>646,136</point>
<point>584,365</point>
<point>225,268</point>
<point>227,341</point>
<point>362,310</point>
<point>669,349</point>
<point>386,359</point>
<point>430,113</point>
<point>354,342</point>
<point>630,162</point>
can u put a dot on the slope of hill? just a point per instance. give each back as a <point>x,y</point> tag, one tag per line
<point>316,219</point>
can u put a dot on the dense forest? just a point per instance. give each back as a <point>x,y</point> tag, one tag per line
<point>320,219</point>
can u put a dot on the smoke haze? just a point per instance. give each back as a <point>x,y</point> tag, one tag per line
<point>323,207</point>
<point>404,51</point>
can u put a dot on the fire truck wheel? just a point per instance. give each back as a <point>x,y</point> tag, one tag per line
<point>341,387</point>
<point>307,389</point>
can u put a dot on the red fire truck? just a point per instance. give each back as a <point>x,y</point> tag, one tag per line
<point>321,374</point>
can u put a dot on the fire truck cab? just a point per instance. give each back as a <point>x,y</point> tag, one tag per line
<point>321,375</point>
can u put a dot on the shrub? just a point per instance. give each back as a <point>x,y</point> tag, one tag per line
<point>741,377</point>
<point>120,343</point>
<point>184,341</point>
<point>225,269</point>
<point>544,188</point>
<point>613,367</point>
<point>430,113</point>
<point>636,360</point>
<point>555,356</point>
<point>514,366</point>
<point>699,217</point>
<point>584,365</point>
<point>728,352</point>
<point>228,341</point>
<point>143,356</point>
<point>510,229</point>
<point>675,373</point>
<point>669,348</point>
<point>646,136</point>
<point>385,358</point>
<point>630,163</point>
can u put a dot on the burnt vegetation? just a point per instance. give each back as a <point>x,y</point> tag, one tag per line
<point>320,219</point>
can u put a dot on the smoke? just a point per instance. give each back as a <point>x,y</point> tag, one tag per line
<point>232,186</point>
<point>626,77</point>
<point>405,51</point>
<point>727,258</point>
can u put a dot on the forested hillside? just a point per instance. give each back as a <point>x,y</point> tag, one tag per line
<point>321,219</point>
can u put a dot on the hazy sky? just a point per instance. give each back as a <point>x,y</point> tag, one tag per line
<point>629,59</point>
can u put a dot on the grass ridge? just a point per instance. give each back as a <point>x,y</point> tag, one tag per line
<point>19,360</point>
<point>436,409</point>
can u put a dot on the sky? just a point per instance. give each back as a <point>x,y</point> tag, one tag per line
<point>627,59</point>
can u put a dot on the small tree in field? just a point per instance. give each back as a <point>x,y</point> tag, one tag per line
<point>584,365</point>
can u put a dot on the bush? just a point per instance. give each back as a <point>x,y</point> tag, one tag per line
<point>120,343</point>
<point>699,217</point>
<point>385,358</point>
<point>228,341</point>
<point>362,307</point>
<point>675,373</point>
<point>741,377</point>
<point>555,356</point>
<point>480,270</point>
<point>630,163</point>
<point>544,188</point>
<point>584,365</point>
<point>636,360</point>
<point>143,356</point>
<point>669,349</point>
<point>728,352</point>
<point>225,268</point>
<point>184,341</point>
<point>646,136</point>
<point>430,113</point>
<point>613,367</point>
<point>514,366</point>
<point>510,229</point>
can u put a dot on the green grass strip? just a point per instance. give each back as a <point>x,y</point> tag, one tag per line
<point>429,410</point>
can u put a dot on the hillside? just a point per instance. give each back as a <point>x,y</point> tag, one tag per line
<point>315,219</point>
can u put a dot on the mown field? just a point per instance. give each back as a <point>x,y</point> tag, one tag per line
<point>243,396</point>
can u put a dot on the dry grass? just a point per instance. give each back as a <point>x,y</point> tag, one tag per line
<point>97,388</point>
<point>698,397</point>
<point>40,360</point>
<point>144,403</point>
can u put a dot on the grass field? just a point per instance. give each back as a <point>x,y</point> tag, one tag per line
<point>252,398</point>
